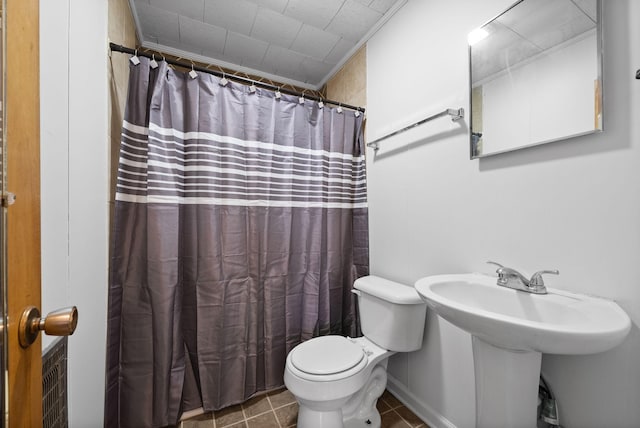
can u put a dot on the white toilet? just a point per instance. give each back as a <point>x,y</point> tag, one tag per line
<point>337,380</point>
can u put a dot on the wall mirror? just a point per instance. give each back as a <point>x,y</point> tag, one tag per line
<point>536,75</point>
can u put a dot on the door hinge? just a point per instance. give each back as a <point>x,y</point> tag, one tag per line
<point>8,199</point>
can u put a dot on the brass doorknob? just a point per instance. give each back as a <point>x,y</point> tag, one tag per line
<point>62,322</point>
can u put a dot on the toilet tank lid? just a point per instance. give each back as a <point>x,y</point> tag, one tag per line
<point>390,291</point>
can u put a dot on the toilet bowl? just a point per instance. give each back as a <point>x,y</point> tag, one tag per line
<point>337,380</point>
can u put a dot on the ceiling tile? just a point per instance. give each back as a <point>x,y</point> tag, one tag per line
<point>314,42</point>
<point>275,28</point>
<point>190,8</point>
<point>314,71</point>
<point>157,22</point>
<point>353,21</point>
<point>316,13</point>
<point>244,50</point>
<point>197,33</point>
<point>175,44</point>
<point>236,15</point>
<point>548,22</point>
<point>339,51</point>
<point>382,6</point>
<point>296,40</point>
<point>275,5</point>
<point>590,7</point>
<point>280,59</point>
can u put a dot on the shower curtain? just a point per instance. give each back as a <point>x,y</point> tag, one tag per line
<point>240,226</point>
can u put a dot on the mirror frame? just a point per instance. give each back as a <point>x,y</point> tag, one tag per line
<point>4,309</point>
<point>600,65</point>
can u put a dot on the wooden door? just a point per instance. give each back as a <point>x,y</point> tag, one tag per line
<point>22,163</point>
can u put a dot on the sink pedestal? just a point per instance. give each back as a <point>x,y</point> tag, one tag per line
<point>506,386</point>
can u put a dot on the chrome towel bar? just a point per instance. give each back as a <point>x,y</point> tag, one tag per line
<point>456,114</point>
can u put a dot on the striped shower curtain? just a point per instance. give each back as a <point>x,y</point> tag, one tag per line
<point>240,225</point>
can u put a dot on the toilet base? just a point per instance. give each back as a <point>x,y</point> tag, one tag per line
<point>308,417</point>
<point>375,422</point>
<point>359,411</point>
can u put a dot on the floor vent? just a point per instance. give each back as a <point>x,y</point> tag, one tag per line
<point>54,385</point>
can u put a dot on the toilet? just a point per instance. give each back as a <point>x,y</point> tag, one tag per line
<point>337,380</point>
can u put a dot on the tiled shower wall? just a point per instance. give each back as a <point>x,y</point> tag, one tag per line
<point>349,85</point>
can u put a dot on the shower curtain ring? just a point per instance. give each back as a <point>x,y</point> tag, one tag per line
<point>224,81</point>
<point>153,63</point>
<point>193,73</point>
<point>134,59</point>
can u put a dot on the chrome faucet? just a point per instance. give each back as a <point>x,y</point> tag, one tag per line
<point>511,278</point>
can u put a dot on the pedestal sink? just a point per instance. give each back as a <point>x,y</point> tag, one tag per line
<point>511,329</point>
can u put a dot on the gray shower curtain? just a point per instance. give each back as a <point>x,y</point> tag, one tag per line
<point>240,225</point>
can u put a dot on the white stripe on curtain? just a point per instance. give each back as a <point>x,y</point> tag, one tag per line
<point>156,199</point>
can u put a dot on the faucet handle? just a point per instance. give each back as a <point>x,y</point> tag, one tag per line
<point>536,279</point>
<point>495,263</point>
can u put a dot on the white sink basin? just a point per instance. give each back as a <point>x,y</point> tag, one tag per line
<point>511,329</point>
<point>558,322</point>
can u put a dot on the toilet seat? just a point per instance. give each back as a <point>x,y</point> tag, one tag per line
<point>327,358</point>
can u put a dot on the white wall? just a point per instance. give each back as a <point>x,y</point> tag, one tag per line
<point>74,159</point>
<point>572,205</point>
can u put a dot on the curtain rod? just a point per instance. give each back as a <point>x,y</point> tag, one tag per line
<point>119,48</point>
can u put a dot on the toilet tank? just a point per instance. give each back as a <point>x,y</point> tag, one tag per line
<point>392,315</point>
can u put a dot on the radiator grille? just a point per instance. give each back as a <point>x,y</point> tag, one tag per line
<point>54,385</point>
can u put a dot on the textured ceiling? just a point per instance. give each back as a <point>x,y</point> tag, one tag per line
<point>301,42</point>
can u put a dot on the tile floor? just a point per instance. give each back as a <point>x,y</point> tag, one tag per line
<point>278,409</point>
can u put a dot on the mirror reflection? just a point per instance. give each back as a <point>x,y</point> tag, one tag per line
<point>535,75</point>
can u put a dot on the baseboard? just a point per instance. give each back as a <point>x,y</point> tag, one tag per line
<point>422,410</point>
